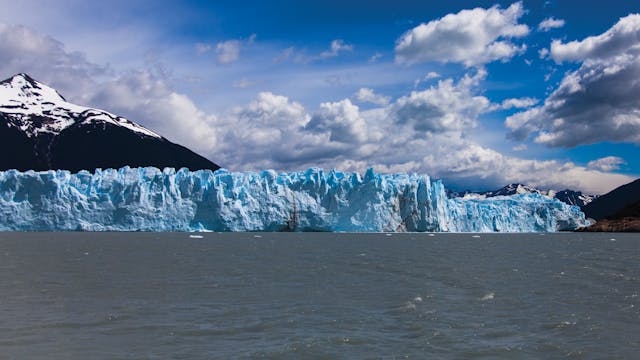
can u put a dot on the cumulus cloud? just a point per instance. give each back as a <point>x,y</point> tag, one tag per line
<point>274,131</point>
<point>550,23</point>
<point>518,103</point>
<point>471,37</point>
<point>367,95</point>
<point>22,49</point>
<point>282,135</point>
<point>147,98</point>
<point>543,53</point>
<point>597,102</point>
<point>138,95</point>
<point>609,163</point>
<point>620,39</point>
<point>430,75</point>
<point>336,47</point>
<point>448,106</point>
<point>341,120</point>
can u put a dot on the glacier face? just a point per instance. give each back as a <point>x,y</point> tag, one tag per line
<point>148,199</point>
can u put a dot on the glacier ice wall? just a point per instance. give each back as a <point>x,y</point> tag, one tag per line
<point>148,199</point>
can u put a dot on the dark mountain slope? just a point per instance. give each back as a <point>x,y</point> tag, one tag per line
<point>40,130</point>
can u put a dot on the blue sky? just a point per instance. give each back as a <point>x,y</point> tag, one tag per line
<point>478,93</point>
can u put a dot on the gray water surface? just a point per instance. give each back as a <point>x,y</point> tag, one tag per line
<point>319,296</point>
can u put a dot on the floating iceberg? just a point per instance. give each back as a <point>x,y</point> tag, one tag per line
<point>148,199</point>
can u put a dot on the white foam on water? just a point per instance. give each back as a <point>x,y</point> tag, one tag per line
<point>475,236</point>
<point>417,299</point>
<point>192,236</point>
<point>257,236</point>
<point>409,305</point>
<point>389,234</point>
<point>488,296</point>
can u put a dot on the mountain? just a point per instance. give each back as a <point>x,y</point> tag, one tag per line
<point>577,198</point>
<point>567,196</point>
<point>40,130</point>
<point>613,204</point>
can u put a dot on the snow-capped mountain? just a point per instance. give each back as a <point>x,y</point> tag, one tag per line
<point>567,196</point>
<point>575,197</point>
<point>40,130</point>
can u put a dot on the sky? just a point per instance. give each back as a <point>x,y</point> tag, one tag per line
<point>479,94</point>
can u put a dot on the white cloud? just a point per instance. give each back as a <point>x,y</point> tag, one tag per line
<point>609,163</point>
<point>543,53</point>
<point>267,133</point>
<point>599,101</point>
<point>341,120</point>
<point>147,99</point>
<point>24,50</point>
<point>336,47</point>
<point>449,106</point>
<point>430,75</point>
<point>521,147</point>
<point>228,51</point>
<point>471,37</point>
<point>620,39</point>
<point>368,95</point>
<point>550,23</point>
<point>273,131</point>
<point>518,103</point>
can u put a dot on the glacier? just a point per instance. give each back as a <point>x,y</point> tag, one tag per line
<point>150,199</point>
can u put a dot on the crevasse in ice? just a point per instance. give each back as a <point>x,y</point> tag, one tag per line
<point>148,199</point>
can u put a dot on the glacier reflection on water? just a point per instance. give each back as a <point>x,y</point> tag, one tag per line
<point>149,199</point>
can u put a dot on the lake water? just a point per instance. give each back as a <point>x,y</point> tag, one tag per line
<point>319,296</point>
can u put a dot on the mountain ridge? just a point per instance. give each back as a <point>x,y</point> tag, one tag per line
<point>44,131</point>
<point>567,196</point>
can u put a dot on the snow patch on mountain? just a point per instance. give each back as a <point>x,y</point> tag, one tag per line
<point>567,196</point>
<point>36,108</point>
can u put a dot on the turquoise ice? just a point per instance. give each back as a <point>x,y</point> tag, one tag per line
<point>149,199</point>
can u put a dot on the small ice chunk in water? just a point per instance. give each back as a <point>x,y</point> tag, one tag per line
<point>432,234</point>
<point>488,296</point>
<point>193,236</point>
<point>475,236</point>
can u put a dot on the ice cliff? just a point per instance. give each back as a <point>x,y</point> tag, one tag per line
<point>149,199</point>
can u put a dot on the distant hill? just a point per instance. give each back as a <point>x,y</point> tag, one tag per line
<point>616,211</point>
<point>614,202</point>
<point>40,130</point>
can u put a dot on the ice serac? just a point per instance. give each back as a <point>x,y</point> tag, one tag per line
<point>148,199</point>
